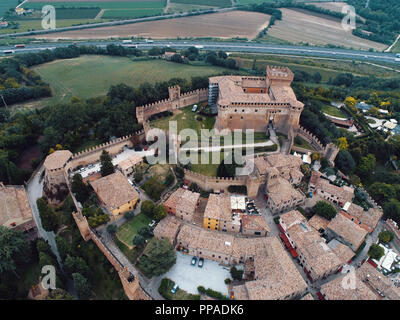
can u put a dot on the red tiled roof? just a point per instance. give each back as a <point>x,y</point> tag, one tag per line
<point>372,263</point>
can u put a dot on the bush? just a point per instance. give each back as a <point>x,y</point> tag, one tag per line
<point>211,293</point>
<point>236,273</point>
<point>386,236</point>
<point>376,251</point>
<point>227,281</point>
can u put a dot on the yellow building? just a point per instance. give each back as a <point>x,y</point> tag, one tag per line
<point>116,193</point>
<point>218,214</point>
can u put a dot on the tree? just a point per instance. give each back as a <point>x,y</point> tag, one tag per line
<point>144,231</point>
<point>385,236</point>
<point>324,209</point>
<point>366,165</point>
<point>158,257</point>
<point>160,212</point>
<point>47,215</point>
<point>391,210</point>
<point>148,208</point>
<point>376,251</point>
<point>82,286</point>
<point>342,143</point>
<point>13,249</point>
<point>129,215</point>
<point>138,240</point>
<point>381,192</point>
<point>76,265</point>
<point>112,229</point>
<point>236,274</point>
<point>345,162</point>
<point>177,58</point>
<point>79,188</point>
<point>138,176</point>
<point>106,165</point>
<point>64,247</point>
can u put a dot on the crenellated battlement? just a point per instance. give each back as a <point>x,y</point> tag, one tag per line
<point>175,101</point>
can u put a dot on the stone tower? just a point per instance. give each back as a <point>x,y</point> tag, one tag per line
<point>253,184</point>
<point>174,92</point>
<point>131,286</point>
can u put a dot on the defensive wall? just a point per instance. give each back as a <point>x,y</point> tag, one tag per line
<point>175,101</point>
<point>130,283</point>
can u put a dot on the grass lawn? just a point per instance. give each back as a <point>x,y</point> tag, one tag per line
<point>90,76</point>
<point>219,3</point>
<point>185,118</point>
<point>300,142</point>
<point>165,290</point>
<point>126,232</point>
<point>130,254</point>
<point>332,111</point>
<point>160,171</point>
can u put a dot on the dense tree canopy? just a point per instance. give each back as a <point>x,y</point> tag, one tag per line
<point>158,258</point>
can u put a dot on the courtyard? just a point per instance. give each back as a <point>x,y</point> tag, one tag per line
<point>188,277</point>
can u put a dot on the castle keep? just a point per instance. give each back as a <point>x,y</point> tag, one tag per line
<point>245,102</point>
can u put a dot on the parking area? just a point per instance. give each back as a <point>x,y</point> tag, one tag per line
<point>125,154</point>
<point>189,277</point>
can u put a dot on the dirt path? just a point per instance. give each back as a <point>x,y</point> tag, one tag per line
<point>99,15</point>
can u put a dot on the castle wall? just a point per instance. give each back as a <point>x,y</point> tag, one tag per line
<point>222,184</point>
<point>175,101</point>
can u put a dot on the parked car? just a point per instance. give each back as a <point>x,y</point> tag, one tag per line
<point>194,261</point>
<point>201,262</point>
<point>174,289</point>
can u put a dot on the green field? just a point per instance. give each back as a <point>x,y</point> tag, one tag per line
<point>91,76</point>
<point>253,1</point>
<point>332,111</point>
<point>126,232</point>
<point>214,3</point>
<point>99,4</point>
<point>131,13</point>
<point>7,4</point>
<point>31,25</point>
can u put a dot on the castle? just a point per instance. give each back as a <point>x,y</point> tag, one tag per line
<point>245,102</point>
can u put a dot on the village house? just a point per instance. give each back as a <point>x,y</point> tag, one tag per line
<point>346,231</point>
<point>279,173</point>
<point>313,254</point>
<point>115,193</point>
<point>367,220</point>
<point>15,211</point>
<point>330,192</point>
<point>254,225</point>
<point>368,284</point>
<point>129,165</point>
<point>219,215</point>
<point>182,204</point>
<point>167,228</point>
<point>274,275</point>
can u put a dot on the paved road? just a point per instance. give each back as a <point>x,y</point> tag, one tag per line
<point>35,191</point>
<point>250,47</point>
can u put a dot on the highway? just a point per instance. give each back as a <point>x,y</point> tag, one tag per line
<point>250,47</point>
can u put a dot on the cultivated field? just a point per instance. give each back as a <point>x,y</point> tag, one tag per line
<point>91,76</point>
<point>301,27</point>
<point>332,6</point>
<point>219,25</point>
<point>215,3</point>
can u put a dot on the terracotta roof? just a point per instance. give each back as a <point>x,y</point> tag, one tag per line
<point>348,230</point>
<point>183,200</point>
<point>282,191</point>
<point>130,162</point>
<point>369,218</point>
<point>114,190</point>
<point>343,252</point>
<point>57,159</point>
<point>345,193</point>
<point>276,275</point>
<point>318,222</point>
<point>14,206</point>
<point>319,256</point>
<point>254,222</point>
<point>218,207</point>
<point>341,289</point>
<point>291,218</point>
<point>167,228</point>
